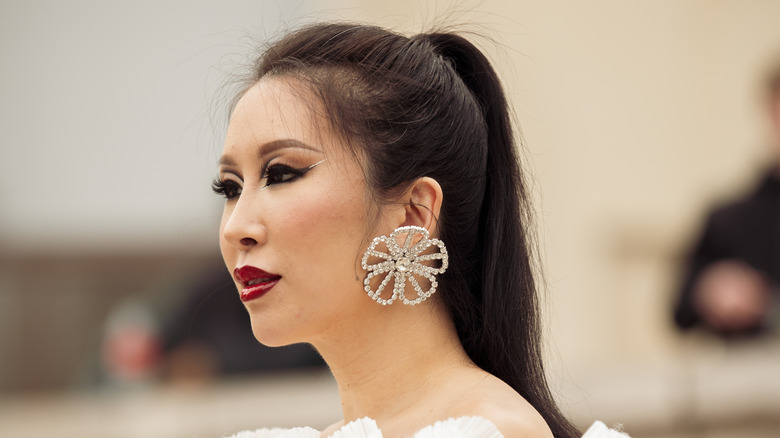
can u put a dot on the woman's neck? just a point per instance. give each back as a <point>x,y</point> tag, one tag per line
<point>385,367</point>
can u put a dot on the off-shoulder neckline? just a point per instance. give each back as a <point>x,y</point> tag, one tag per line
<point>464,427</point>
<point>467,426</point>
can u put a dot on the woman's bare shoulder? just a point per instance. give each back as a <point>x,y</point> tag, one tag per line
<point>494,400</point>
<point>519,425</point>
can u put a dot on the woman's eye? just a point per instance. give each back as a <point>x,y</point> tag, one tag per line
<point>227,188</point>
<point>280,173</point>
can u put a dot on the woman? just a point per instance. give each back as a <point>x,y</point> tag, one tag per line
<point>375,208</point>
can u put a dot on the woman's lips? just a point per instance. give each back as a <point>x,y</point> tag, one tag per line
<point>256,282</point>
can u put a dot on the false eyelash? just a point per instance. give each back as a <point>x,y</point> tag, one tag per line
<point>228,189</point>
<point>274,174</point>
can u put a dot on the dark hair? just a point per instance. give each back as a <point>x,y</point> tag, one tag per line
<point>432,105</point>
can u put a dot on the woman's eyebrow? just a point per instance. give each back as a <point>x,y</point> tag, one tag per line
<point>271,147</point>
<point>226,161</point>
<point>275,145</point>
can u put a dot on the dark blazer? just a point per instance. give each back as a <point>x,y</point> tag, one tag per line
<point>747,230</point>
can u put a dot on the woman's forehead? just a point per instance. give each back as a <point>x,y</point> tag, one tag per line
<point>281,108</point>
<point>276,103</point>
<point>271,110</point>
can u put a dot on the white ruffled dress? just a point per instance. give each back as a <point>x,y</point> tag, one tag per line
<point>463,427</point>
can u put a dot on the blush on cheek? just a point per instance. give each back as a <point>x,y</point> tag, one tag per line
<point>324,211</point>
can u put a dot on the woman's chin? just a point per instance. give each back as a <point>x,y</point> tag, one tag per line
<point>273,338</point>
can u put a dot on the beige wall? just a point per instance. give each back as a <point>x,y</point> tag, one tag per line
<point>638,116</point>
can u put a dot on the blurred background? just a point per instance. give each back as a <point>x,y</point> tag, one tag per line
<point>117,320</point>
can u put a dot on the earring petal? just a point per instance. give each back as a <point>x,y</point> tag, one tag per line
<point>402,263</point>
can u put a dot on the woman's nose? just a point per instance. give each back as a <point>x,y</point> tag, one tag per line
<point>243,226</point>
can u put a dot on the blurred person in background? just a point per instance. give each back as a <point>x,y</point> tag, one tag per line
<point>210,335</point>
<point>189,332</point>
<point>733,280</point>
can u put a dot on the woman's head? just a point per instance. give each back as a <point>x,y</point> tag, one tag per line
<point>424,122</point>
<point>296,215</point>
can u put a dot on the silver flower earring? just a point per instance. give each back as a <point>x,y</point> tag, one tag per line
<point>402,263</point>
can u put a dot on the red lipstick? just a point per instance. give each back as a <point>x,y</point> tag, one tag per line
<point>256,282</point>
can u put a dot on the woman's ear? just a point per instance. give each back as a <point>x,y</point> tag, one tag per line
<point>424,204</point>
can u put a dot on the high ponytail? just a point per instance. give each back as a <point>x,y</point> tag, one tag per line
<point>432,105</point>
<point>507,340</point>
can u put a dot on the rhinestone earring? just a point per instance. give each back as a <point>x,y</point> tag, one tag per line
<point>401,263</point>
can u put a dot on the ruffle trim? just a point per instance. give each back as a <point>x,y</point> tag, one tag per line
<point>462,427</point>
<point>600,430</point>
<point>360,428</point>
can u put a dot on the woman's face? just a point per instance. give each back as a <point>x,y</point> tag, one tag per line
<point>295,220</point>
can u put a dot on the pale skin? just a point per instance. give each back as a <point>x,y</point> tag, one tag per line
<point>731,296</point>
<point>402,366</point>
